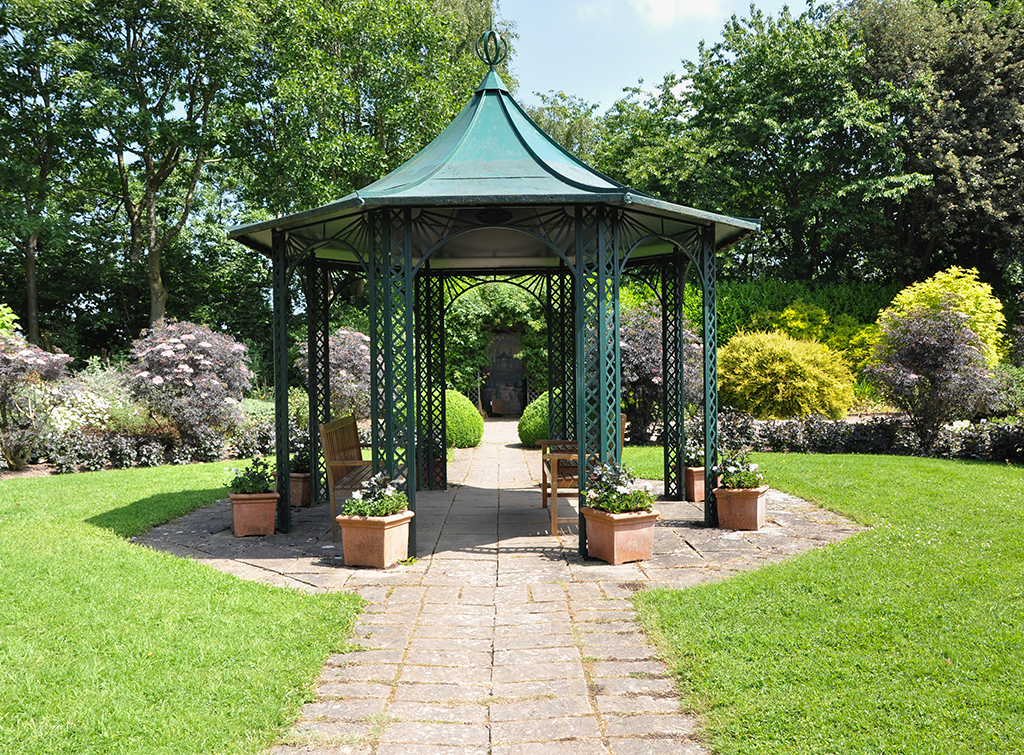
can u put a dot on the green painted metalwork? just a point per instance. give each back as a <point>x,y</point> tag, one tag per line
<point>431,432</point>
<point>597,348</point>
<point>561,307</point>
<point>280,326</point>
<point>672,351</point>
<point>707,265</point>
<point>318,288</point>
<point>457,285</point>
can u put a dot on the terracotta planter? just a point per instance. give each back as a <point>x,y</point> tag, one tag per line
<point>619,538</point>
<point>253,513</point>
<point>299,488</point>
<point>741,508</point>
<point>377,541</point>
<point>694,477</point>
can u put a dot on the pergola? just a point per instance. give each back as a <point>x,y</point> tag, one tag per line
<point>493,198</point>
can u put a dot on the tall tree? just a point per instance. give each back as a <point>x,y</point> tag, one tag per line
<point>793,131</point>
<point>170,73</point>
<point>43,127</point>
<point>352,90</point>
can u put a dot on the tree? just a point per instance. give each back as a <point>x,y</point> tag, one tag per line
<point>348,92</point>
<point>569,121</point>
<point>962,131</point>
<point>930,364</point>
<point>795,133</point>
<point>43,126</point>
<point>168,74</point>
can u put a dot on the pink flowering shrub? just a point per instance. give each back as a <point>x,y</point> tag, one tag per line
<point>350,372</point>
<point>30,390</point>
<point>195,378</point>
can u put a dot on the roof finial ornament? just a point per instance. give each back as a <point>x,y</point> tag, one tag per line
<point>491,47</point>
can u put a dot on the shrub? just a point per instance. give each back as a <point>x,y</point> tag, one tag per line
<point>533,425</point>
<point>774,376</point>
<point>960,290</point>
<point>29,393</point>
<point>8,320</point>
<point>193,376</point>
<point>930,364</point>
<point>465,426</point>
<point>378,497</point>
<point>642,380</point>
<point>612,488</point>
<point>350,372</point>
<point>1010,382</point>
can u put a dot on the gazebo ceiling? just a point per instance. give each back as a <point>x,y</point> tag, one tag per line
<point>492,175</point>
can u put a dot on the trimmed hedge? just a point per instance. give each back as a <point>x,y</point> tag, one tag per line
<point>533,425</point>
<point>465,425</point>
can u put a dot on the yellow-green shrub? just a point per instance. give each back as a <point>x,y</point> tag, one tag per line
<point>971,297</point>
<point>774,376</point>
<point>465,426</point>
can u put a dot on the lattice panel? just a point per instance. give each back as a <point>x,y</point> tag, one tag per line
<point>561,356</point>
<point>431,431</point>
<point>672,279</point>
<point>456,286</point>
<point>318,295</point>
<point>708,271</point>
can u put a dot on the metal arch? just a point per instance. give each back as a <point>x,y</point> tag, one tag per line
<point>432,230</point>
<point>649,274</point>
<point>681,242</point>
<point>457,285</point>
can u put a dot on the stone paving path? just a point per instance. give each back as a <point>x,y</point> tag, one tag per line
<point>499,640</point>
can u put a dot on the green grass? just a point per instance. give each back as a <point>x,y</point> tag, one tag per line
<point>904,639</point>
<point>647,462</point>
<point>108,647</point>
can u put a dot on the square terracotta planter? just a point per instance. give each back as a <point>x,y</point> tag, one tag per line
<point>741,508</point>
<point>694,483</point>
<point>620,538</point>
<point>300,488</point>
<point>377,541</point>
<point>253,513</point>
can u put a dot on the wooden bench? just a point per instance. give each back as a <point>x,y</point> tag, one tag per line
<point>560,470</point>
<point>343,455</point>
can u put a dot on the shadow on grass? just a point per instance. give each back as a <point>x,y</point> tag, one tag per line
<point>141,516</point>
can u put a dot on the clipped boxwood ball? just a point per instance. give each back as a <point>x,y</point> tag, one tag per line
<point>533,425</point>
<point>465,425</point>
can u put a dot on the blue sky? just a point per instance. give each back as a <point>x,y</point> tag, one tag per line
<point>594,48</point>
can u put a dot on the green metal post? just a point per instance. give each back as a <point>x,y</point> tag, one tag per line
<point>281,308</point>
<point>672,358</point>
<point>561,353</point>
<point>318,352</point>
<point>431,430</point>
<point>708,273</point>
<point>598,397</point>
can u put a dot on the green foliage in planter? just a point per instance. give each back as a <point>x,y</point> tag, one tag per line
<point>613,488</point>
<point>379,497</point>
<point>533,425</point>
<point>465,426</point>
<point>772,375</point>
<point>256,478</point>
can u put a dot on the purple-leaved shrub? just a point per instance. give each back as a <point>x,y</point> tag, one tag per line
<point>929,363</point>
<point>195,378</point>
<point>350,372</point>
<point>29,392</point>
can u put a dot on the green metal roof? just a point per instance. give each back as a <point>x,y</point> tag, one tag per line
<point>492,153</point>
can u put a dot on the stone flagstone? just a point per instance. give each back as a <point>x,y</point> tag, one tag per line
<point>499,639</point>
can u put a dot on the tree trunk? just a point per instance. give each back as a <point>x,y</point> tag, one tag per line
<point>31,289</point>
<point>157,292</point>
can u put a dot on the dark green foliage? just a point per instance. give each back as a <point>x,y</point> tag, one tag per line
<point>378,497</point>
<point>1010,381</point>
<point>465,426</point>
<point>255,478</point>
<point>613,488</point>
<point>533,425</point>
<point>774,376</point>
<point>476,316</point>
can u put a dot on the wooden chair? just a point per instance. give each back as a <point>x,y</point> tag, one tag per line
<point>343,454</point>
<point>560,470</point>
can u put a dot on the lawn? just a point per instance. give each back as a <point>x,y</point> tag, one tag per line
<point>108,647</point>
<point>908,638</point>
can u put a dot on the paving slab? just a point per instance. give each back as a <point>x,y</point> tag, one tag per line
<point>499,639</point>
